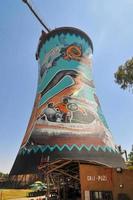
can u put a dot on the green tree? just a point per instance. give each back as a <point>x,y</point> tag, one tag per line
<point>124,75</point>
<point>2,175</point>
<point>130,159</point>
<point>130,156</point>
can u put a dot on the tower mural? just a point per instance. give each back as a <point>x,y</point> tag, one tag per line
<point>67,120</point>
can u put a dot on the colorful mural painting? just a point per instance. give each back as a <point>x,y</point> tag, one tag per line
<point>67,116</point>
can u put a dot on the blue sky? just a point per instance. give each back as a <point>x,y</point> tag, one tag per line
<point>108,23</point>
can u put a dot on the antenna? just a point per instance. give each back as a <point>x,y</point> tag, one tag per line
<point>36,15</point>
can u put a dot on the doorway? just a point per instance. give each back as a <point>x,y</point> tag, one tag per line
<point>101,195</point>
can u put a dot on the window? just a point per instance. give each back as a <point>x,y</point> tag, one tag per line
<point>101,195</point>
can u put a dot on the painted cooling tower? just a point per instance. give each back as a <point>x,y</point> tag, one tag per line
<point>67,121</point>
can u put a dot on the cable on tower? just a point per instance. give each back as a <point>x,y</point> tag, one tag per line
<point>36,15</point>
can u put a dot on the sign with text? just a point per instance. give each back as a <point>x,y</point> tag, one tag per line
<point>102,178</point>
<point>94,177</point>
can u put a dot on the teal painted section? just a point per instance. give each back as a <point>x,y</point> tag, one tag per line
<point>63,40</point>
<point>44,148</point>
<point>102,118</point>
<point>63,65</point>
<point>66,82</point>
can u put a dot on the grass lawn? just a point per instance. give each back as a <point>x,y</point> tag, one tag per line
<point>12,193</point>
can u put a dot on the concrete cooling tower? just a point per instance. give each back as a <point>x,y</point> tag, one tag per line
<point>67,121</point>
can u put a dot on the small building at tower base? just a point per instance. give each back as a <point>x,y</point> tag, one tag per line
<point>104,183</point>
